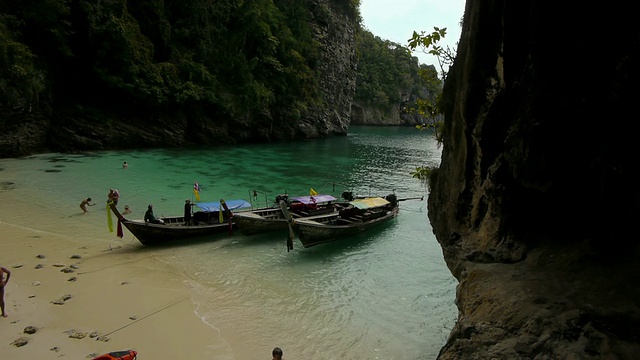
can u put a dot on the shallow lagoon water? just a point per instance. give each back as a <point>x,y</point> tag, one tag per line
<point>384,295</point>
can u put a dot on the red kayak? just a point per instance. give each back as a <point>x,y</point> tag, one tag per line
<point>118,355</point>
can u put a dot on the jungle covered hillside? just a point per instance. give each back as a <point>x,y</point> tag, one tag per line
<point>191,71</point>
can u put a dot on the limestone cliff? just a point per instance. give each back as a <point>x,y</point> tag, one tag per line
<point>338,66</point>
<point>535,201</point>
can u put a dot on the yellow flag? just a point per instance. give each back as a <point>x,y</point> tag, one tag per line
<point>312,192</point>
<point>221,216</point>
<point>109,219</point>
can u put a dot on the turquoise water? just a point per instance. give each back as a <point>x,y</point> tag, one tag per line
<point>385,295</point>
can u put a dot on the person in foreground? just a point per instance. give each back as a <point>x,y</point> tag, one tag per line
<point>277,354</point>
<point>3,282</point>
<point>84,203</point>
<point>149,217</point>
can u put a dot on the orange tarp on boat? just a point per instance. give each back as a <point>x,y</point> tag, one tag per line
<point>118,355</point>
<point>367,203</point>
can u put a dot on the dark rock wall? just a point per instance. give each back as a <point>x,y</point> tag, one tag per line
<point>337,34</point>
<point>396,116</point>
<point>535,201</point>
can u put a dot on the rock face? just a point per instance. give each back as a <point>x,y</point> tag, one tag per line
<point>337,34</point>
<point>534,202</point>
<point>396,116</point>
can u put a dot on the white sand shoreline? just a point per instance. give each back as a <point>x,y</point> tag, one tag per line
<point>137,302</point>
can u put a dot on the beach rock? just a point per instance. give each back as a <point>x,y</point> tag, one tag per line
<point>92,355</point>
<point>58,302</point>
<point>76,257</point>
<point>58,265</point>
<point>94,334</point>
<point>36,283</point>
<point>74,266</point>
<point>55,349</point>
<point>66,297</point>
<point>40,256</point>
<point>75,334</point>
<point>102,338</point>
<point>124,283</point>
<point>73,278</point>
<point>67,270</point>
<point>30,330</point>
<point>21,341</point>
<point>17,266</point>
<point>31,296</point>
<point>133,317</point>
<point>78,335</point>
<point>39,266</point>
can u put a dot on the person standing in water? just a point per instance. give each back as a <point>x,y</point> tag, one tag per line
<point>84,203</point>
<point>125,165</point>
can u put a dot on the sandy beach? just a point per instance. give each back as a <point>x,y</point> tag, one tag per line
<point>117,300</point>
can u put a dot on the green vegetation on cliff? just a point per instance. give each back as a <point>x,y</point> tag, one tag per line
<point>390,77</point>
<point>252,59</point>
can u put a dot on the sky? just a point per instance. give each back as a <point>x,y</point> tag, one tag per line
<point>396,20</point>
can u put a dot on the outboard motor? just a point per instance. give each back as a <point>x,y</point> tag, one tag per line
<point>393,199</point>
<point>347,195</point>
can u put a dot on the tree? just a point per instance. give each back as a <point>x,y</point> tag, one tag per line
<point>432,108</point>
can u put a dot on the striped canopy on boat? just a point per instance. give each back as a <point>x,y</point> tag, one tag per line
<point>320,198</point>
<point>367,203</point>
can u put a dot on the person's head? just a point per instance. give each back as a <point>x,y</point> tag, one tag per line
<point>187,201</point>
<point>277,353</point>
<point>126,207</point>
<point>88,199</point>
<point>150,207</point>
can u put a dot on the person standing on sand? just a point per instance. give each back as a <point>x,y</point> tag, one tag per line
<point>277,354</point>
<point>84,203</point>
<point>3,282</point>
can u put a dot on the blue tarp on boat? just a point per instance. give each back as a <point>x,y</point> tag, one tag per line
<point>320,198</point>
<point>231,204</point>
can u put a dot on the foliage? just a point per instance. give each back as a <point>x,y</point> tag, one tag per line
<point>252,59</point>
<point>432,107</point>
<point>21,82</point>
<point>388,75</point>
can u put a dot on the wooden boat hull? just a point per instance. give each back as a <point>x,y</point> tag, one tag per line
<point>152,234</point>
<point>312,232</point>
<point>260,221</point>
<point>174,227</point>
<point>272,219</point>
